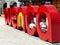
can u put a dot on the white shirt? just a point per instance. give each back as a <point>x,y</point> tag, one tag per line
<point>34,20</point>
<point>32,25</point>
<point>47,22</point>
<point>43,24</point>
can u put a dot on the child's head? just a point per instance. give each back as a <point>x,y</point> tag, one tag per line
<point>43,19</point>
<point>32,21</point>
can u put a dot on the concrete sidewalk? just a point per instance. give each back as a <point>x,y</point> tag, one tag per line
<point>11,36</point>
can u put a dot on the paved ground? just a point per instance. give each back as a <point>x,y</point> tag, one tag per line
<point>11,36</point>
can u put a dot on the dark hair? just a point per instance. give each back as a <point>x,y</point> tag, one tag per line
<point>15,4</point>
<point>11,6</point>
<point>35,14</point>
<point>5,5</point>
<point>43,18</point>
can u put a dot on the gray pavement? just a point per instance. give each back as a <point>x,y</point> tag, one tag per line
<point>11,36</point>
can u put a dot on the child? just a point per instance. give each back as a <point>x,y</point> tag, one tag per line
<point>33,23</point>
<point>43,25</point>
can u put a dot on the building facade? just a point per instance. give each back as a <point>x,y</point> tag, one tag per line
<point>57,4</point>
<point>1,6</point>
<point>29,2</point>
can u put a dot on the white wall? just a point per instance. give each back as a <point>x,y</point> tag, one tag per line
<point>10,0</point>
<point>1,4</point>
